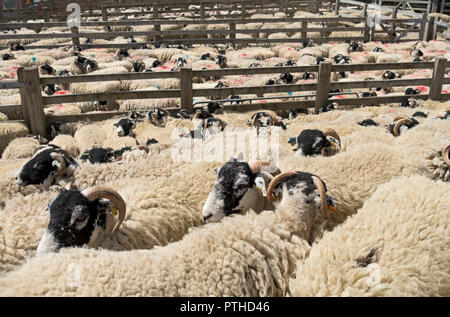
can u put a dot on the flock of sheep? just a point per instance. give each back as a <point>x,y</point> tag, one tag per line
<point>108,209</point>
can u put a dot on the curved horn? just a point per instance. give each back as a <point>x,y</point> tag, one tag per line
<point>399,124</point>
<point>197,113</point>
<point>446,153</point>
<point>59,157</point>
<point>331,132</point>
<point>69,186</point>
<point>222,123</point>
<point>323,197</point>
<point>205,125</point>
<point>275,181</point>
<point>141,147</point>
<point>255,166</point>
<point>400,116</point>
<point>40,147</point>
<point>253,120</point>
<point>98,192</point>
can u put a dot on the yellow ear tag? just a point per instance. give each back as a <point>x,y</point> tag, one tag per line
<point>114,210</point>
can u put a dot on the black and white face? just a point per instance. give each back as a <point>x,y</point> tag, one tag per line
<point>180,61</point>
<point>299,191</point>
<point>233,192</point>
<point>221,60</point>
<point>311,142</point>
<point>74,222</point>
<point>39,170</point>
<point>124,127</point>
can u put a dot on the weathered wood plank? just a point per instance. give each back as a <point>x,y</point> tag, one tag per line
<point>31,98</point>
<point>323,85</point>
<point>186,87</point>
<point>113,95</point>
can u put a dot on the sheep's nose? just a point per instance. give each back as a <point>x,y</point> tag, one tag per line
<point>207,217</point>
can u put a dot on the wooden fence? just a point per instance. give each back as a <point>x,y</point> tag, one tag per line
<point>55,10</point>
<point>423,27</point>
<point>33,102</point>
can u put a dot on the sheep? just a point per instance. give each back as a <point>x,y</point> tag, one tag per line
<point>396,245</point>
<point>251,255</point>
<point>20,148</point>
<point>155,213</point>
<point>10,131</point>
<point>125,127</point>
<point>67,143</point>
<point>238,189</point>
<point>365,165</point>
<point>89,136</point>
<point>314,142</point>
<point>48,164</point>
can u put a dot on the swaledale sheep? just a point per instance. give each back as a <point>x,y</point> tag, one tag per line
<point>353,175</point>
<point>156,213</point>
<point>251,255</point>
<point>396,245</point>
<point>20,148</point>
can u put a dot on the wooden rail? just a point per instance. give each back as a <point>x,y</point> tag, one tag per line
<point>201,36</point>
<point>33,102</point>
<point>57,9</point>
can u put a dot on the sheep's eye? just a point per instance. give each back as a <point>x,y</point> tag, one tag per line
<point>81,218</point>
<point>241,186</point>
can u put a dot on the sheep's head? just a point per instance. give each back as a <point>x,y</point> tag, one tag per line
<point>317,142</point>
<point>48,163</point>
<point>125,127</point>
<point>303,191</point>
<point>80,218</point>
<point>239,187</point>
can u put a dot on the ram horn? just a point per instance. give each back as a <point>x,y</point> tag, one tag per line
<point>141,147</point>
<point>446,153</point>
<point>197,113</point>
<point>98,192</point>
<point>275,181</point>
<point>331,132</point>
<point>69,186</point>
<point>222,124</point>
<point>323,197</point>
<point>62,163</point>
<point>400,116</point>
<point>258,166</point>
<point>41,147</point>
<point>399,123</point>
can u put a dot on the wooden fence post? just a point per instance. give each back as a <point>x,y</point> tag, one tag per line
<point>243,8</point>
<point>429,29</point>
<point>336,8</point>
<point>156,17</point>
<point>186,88</point>
<point>202,11</point>
<point>323,85</point>
<point>232,36</point>
<point>438,78</point>
<point>31,98</point>
<point>76,37</point>
<point>304,34</point>
<point>423,26</point>
<point>45,14</point>
<point>393,24</point>
<point>104,13</point>
<point>364,10</point>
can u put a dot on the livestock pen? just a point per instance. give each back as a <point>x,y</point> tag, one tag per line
<point>215,148</point>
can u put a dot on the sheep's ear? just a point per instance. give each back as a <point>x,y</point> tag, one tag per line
<point>262,181</point>
<point>240,157</point>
